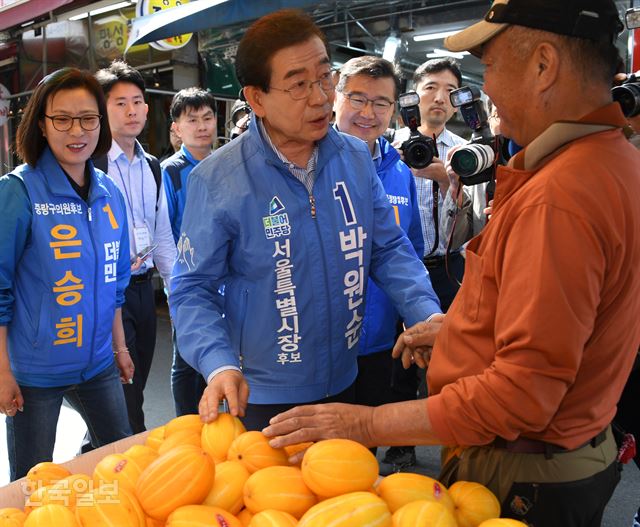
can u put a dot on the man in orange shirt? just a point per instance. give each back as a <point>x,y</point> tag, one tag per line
<point>531,359</point>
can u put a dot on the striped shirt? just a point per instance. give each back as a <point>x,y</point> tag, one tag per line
<point>306,176</point>
<point>424,188</point>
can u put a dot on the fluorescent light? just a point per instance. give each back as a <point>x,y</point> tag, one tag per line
<point>391,46</point>
<point>434,36</point>
<point>101,10</point>
<point>445,53</point>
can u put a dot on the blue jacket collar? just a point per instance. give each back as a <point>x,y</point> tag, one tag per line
<point>58,182</point>
<point>188,156</point>
<point>330,145</point>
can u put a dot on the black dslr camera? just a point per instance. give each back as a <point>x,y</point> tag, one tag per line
<point>628,95</point>
<point>474,162</point>
<point>419,150</point>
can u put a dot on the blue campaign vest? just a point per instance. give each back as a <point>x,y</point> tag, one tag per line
<point>66,280</point>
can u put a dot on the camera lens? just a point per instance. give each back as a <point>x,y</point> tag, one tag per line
<point>628,96</point>
<point>418,153</point>
<point>472,159</point>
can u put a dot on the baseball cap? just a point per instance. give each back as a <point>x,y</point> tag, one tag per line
<point>589,19</point>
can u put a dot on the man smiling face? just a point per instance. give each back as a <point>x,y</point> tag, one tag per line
<point>371,120</point>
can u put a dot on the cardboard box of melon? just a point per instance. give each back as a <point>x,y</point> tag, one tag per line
<point>15,494</point>
<point>187,473</point>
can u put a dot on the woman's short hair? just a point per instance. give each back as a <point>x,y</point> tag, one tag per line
<point>30,141</point>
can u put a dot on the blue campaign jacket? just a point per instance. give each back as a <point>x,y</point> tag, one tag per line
<point>294,267</point>
<point>174,175</point>
<point>380,317</point>
<point>63,275</point>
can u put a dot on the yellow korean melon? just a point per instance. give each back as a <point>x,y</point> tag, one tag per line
<point>423,513</point>
<point>474,503</point>
<point>252,449</point>
<point>339,466</point>
<point>51,515</point>
<point>404,487</point>
<point>184,422</point>
<point>141,455</point>
<point>291,450</point>
<point>109,505</point>
<point>74,486</point>
<point>273,518</point>
<point>63,492</point>
<point>217,436</point>
<point>152,522</point>
<point>117,467</point>
<point>355,509</point>
<point>245,516</point>
<point>179,437</point>
<point>44,474</point>
<point>155,438</point>
<point>182,476</point>
<point>280,488</point>
<point>227,489</point>
<point>12,517</point>
<point>502,522</point>
<point>202,516</point>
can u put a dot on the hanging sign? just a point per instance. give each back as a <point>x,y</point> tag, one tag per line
<point>148,7</point>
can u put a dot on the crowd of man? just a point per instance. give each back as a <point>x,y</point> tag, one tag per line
<point>311,272</point>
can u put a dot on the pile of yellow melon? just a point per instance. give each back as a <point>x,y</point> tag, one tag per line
<point>190,475</point>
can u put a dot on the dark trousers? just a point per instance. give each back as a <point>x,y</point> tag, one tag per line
<point>382,379</point>
<point>140,325</point>
<point>31,434</point>
<point>445,278</point>
<point>187,384</point>
<point>257,416</point>
<point>572,504</point>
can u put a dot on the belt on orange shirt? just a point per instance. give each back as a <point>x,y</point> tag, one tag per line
<point>524,445</point>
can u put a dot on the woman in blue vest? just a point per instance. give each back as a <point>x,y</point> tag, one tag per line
<point>64,265</point>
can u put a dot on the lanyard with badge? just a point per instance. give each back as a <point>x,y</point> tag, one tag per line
<point>141,234</point>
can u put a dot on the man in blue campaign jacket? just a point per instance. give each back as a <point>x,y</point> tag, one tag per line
<point>365,101</point>
<point>193,115</point>
<point>291,220</point>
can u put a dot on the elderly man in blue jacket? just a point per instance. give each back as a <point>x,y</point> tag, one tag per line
<point>281,231</point>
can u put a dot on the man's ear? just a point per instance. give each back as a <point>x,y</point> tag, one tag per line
<point>175,128</point>
<point>255,97</point>
<point>546,60</point>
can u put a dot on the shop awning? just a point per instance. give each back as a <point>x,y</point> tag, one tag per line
<point>15,13</point>
<point>203,14</point>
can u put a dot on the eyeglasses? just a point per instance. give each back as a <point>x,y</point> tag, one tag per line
<point>359,102</point>
<point>64,123</point>
<point>302,89</point>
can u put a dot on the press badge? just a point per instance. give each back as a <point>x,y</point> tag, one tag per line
<point>141,238</point>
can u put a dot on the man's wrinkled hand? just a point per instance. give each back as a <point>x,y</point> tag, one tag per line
<point>320,421</point>
<point>415,344</point>
<point>230,385</point>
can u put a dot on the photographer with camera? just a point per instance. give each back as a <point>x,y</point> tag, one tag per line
<point>471,168</point>
<point>434,81</point>
<point>533,355</point>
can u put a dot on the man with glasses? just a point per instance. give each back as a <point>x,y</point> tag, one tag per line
<point>365,102</point>
<point>281,230</point>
